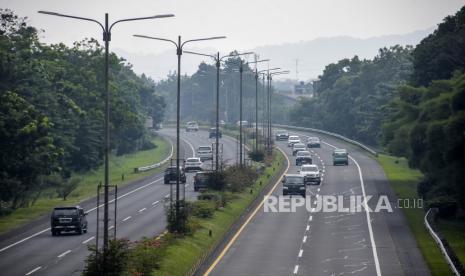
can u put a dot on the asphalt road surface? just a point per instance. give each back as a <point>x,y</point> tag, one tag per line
<point>32,250</point>
<point>308,242</point>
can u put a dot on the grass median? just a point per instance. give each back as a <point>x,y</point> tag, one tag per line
<point>404,181</point>
<point>185,252</point>
<point>121,173</point>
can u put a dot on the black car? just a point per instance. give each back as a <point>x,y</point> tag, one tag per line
<point>171,175</point>
<point>201,181</point>
<point>282,136</point>
<point>293,184</point>
<point>212,133</point>
<point>65,219</point>
<point>303,157</point>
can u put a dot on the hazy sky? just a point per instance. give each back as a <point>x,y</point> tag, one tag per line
<point>246,23</point>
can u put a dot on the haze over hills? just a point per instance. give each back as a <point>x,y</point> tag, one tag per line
<point>312,56</point>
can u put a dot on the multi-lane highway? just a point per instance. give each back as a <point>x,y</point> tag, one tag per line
<point>34,251</point>
<point>308,242</point>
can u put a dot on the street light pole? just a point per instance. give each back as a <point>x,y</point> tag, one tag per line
<point>270,124</point>
<point>241,69</point>
<point>179,49</point>
<point>217,60</point>
<point>106,28</point>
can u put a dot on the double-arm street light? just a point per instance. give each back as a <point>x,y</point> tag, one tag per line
<point>179,46</point>
<point>267,108</point>
<point>270,77</point>
<point>217,60</point>
<point>106,28</point>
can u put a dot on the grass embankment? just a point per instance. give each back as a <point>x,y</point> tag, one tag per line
<point>87,188</point>
<point>454,232</point>
<point>185,252</point>
<point>404,181</point>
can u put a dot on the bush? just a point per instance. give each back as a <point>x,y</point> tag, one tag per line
<point>179,225</point>
<point>447,206</point>
<point>257,155</point>
<point>238,178</point>
<point>146,256</point>
<point>216,181</point>
<point>203,208</point>
<point>113,262</point>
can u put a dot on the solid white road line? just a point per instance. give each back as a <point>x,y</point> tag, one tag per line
<point>88,240</point>
<point>127,218</point>
<point>25,239</point>
<point>300,253</point>
<point>64,253</point>
<point>190,145</point>
<point>296,269</point>
<point>34,270</point>
<point>142,210</point>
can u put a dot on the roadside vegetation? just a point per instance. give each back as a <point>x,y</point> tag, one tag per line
<point>228,195</point>
<point>121,173</point>
<point>52,112</point>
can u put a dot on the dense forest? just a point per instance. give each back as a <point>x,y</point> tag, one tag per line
<point>51,112</point>
<point>409,101</point>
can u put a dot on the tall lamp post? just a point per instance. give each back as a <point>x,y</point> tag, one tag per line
<point>217,60</point>
<point>266,107</point>
<point>270,77</point>
<point>179,46</point>
<point>106,28</point>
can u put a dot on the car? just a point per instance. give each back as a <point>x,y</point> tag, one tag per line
<point>311,174</point>
<point>303,157</point>
<point>298,147</point>
<point>64,219</point>
<point>222,123</point>
<point>193,164</point>
<point>340,156</point>
<point>293,184</point>
<point>205,153</point>
<point>282,135</point>
<point>171,175</point>
<point>244,123</point>
<point>292,140</point>
<point>212,133</point>
<point>201,181</point>
<point>192,126</point>
<point>313,142</point>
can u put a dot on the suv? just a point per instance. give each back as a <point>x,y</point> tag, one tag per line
<point>340,156</point>
<point>292,140</point>
<point>171,175</point>
<point>298,147</point>
<point>303,157</point>
<point>282,135</point>
<point>311,174</point>
<point>193,164</point>
<point>205,153</point>
<point>65,219</point>
<point>313,142</point>
<point>293,184</point>
<point>192,126</point>
<point>200,181</point>
<point>212,133</point>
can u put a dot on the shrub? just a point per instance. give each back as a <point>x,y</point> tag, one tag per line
<point>178,225</point>
<point>216,181</point>
<point>257,155</point>
<point>447,206</point>
<point>113,262</point>
<point>238,178</point>
<point>203,208</point>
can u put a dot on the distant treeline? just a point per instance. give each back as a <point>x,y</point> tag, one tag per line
<point>52,110</point>
<point>410,101</point>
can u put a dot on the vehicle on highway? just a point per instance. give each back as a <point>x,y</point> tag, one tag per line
<point>193,164</point>
<point>171,175</point>
<point>244,123</point>
<point>292,140</point>
<point>212,133</point>
<point>192,126</point>
<point>303,157</point>
<point>65,219</point>
<point>282,135</point>
<point>222,123</point>
<point>313,142</point>
<point>298,147</point>
<point>311,174</point>
<point>201,181</point>
<point>293,184</point>
<point>340,156</point>
<point>205,153</point>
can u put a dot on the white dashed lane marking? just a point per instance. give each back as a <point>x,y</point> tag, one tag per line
<point>88,240</point>
<point>64,253</point>
<point>127,218</point>
<point>34,270</point>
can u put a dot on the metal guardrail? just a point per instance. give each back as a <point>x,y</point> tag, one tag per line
<point>156,165</point>
<point>330,134</point>
<point>440,244</point>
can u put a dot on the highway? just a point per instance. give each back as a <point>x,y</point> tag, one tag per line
<point>32,250</point>
<point>308,242</point>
